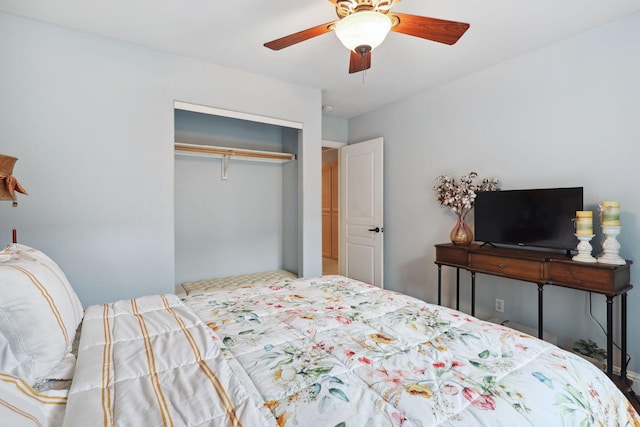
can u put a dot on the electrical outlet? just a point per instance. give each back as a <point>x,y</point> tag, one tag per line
<point>499,305</point>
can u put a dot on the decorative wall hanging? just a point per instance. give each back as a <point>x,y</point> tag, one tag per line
<point>9,185</point>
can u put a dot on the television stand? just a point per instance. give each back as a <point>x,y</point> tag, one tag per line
<point>488,244</point>
<point>543,268</point>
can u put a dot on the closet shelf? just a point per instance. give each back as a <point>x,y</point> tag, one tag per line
<point>196,150</point>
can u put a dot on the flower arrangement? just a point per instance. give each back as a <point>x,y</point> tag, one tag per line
<point>459,196</point>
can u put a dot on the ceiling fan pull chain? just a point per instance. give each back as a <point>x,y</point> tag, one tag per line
<point>364,68</point>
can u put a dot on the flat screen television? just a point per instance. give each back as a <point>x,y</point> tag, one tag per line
<point>538,218</point>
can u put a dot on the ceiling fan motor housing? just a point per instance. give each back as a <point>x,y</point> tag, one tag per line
<point>348,7</point>
<point>363,31</point>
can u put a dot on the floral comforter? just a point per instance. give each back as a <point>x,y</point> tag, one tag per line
<point>331,351</point>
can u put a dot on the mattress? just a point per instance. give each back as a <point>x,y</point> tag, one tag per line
<point>232,282</point>
<point>324,351</point>
<point>332,351</point>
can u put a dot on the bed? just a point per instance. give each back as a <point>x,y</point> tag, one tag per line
<point>323,351</point>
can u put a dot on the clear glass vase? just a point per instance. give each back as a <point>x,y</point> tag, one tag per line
<point>461,233</point>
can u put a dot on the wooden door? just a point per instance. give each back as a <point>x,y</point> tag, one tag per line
<point>330,210</point>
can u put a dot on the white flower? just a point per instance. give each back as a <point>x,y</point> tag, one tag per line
<point>460,197</point>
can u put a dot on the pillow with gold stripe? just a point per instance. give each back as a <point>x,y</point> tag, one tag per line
<point>21,405</point>
<point>39,313</point>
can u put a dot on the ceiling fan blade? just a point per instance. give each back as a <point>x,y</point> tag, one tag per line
<point>437,30</point>
<point>300,36</point>
<point>358,62</point>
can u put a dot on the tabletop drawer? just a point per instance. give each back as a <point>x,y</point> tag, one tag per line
<point>451,255</point>
<point>605,279</point>
<point>522,269</point>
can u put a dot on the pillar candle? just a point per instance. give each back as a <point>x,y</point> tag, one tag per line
<point>609,213</point>
<point>584,222</point>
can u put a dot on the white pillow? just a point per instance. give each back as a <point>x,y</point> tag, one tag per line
<point>39,313</point>
<point>21,406</point>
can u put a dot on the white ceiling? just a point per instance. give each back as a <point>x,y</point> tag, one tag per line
<point>232,33</point>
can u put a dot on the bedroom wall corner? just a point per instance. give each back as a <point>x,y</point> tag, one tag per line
<point>335,128</point>
<point>91,120</point>
<point>563,115</point>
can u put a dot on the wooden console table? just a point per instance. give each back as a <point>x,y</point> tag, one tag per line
<point>543,268</point>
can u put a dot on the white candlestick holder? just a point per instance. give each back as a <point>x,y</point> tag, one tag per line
<point>610,246</point>
<point>584,248</point>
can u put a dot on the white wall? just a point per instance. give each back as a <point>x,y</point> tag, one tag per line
<point>335,129</point>
<point>91,120</point>
<point>565,115</point>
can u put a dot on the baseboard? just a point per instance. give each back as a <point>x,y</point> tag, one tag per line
<point>634,377</point>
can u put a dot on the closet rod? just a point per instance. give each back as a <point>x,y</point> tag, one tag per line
<point>210,149</point>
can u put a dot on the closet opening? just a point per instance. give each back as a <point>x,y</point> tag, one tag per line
<point>235,193</point>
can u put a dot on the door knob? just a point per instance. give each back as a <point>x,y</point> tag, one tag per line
<point>377,229</point>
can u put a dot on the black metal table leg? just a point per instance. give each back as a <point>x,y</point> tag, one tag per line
<point>457,288</point>
<point>473,293</point>
<point>439,284</point>
<point>540,311</point>
<point>610,336</point>
<point>623,333</point>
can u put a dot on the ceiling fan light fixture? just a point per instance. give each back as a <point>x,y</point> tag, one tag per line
<point>362,30</point>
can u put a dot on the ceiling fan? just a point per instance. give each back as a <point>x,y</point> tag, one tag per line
<point>362,25</point>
